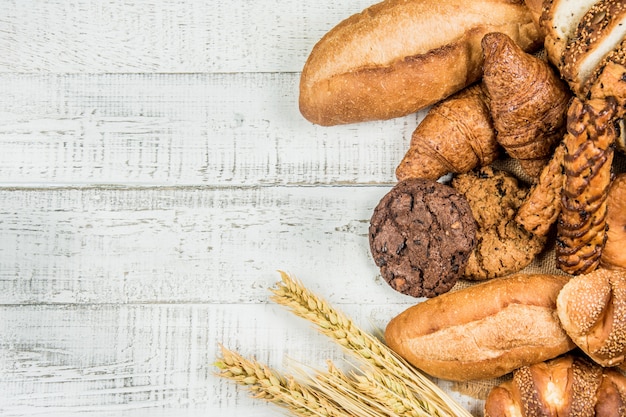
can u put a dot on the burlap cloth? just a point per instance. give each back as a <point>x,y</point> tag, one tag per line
<point>544,263</point>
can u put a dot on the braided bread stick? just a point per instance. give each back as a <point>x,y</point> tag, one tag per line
<point>581,225</point>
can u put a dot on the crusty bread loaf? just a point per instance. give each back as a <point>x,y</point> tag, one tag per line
<point>567,386</point>
<point>483,331</point>
<point>399,56</point>
<point>592,311</point>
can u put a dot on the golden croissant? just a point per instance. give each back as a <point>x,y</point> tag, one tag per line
<point>456,135</point>
<point>528,102</point>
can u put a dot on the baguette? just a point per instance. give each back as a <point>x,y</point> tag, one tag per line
<point>483,331</point>
<point>399,56</point>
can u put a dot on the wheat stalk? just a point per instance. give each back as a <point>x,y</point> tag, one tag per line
<point>268,384</point>
<point>398,375</point>
<point>369,389</point>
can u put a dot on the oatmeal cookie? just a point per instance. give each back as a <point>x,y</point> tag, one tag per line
<point>421,234</point>
<point>502,245</point>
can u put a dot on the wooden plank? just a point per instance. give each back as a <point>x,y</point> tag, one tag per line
<point>182,129</point>
<point>164,36</point>
<point>93,245</point>
<point>154,359</point>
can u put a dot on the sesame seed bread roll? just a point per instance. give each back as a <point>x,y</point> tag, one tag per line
<point>592,310</point>
<point>567,386</point>
<point>399,56</point>
<point>483,331</point>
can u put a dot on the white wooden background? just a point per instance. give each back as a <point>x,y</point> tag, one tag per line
<point>155,173</point>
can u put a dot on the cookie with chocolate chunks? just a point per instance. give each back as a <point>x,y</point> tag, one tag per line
<point>421,235</point>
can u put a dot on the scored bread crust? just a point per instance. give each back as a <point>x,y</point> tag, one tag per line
<point>483,331</point>
<point>397,57</point>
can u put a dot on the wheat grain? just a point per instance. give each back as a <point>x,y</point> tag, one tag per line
<point>268,384</point>
<point>427,396</point>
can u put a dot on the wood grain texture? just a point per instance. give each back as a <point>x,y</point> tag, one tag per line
<point>155,172</point>
<point>178,129</point>
<point>168,36</point>
<point>184,244</point>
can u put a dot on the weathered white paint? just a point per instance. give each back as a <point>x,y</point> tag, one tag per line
<point>147,36</point>
<point>177,129</point>
<point>154,174</point>
<point>170,245</point>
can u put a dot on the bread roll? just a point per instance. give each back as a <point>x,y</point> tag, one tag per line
<point>398,56</point>
<point>613,253</point>
<point>483,331</point>
<point>592,310</point>
<point>567,386</point>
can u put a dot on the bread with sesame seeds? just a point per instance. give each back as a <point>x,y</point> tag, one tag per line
<point>558,21</point>
<point>580,36</point>
<point>592,311</point>
<point>567,386</point>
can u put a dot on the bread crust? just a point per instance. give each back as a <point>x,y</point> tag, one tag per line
<point>592,310</point>
<point>483,331</point>
<point>397,57</point>
<point>565,386</point>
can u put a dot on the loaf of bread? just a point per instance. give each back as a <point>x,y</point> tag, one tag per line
<point>582,37</point>
<point>483,331</point>
<point>398,56</point>
<point>592,311</point>
<point>567,386</point>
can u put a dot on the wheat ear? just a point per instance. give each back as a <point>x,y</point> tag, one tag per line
<point>269,385</point>
<point>365,347</point>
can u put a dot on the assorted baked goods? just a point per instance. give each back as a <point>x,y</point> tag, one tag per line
<point>421,235</point>
<point>397,57</point>
<point>567,386</point>
<point>502,245</point>
<point>483,331</point>
<point>558,117</point>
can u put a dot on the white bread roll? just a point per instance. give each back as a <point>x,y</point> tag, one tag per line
<point>483,331</point>
<point>399,56</point>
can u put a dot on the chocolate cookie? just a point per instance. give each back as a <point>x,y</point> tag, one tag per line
<point>421,235</point>
<point>502,245</point>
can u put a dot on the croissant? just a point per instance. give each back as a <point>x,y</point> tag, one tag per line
<point>581,225</point>
<point>528,102</point>
<point>592,311</point>
<point>568,386</point>
<point>456,135</point>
